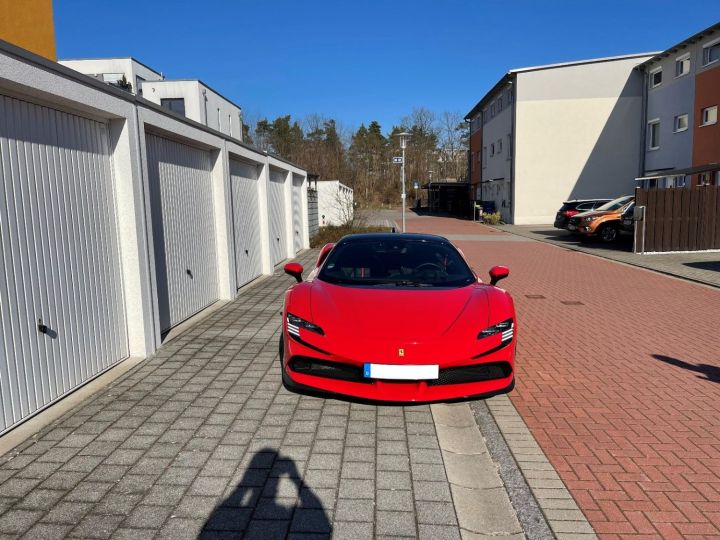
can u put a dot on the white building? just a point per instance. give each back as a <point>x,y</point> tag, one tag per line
<point>335,203</point>
<point>147,219</point>
<point>546,134</point>
<point>189,97</point>
<point>112,71</point>
<point>197,101</point>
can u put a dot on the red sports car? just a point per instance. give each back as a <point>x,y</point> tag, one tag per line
<point>397,317</point>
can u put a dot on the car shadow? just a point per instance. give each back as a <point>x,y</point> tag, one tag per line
<point>566,237</point>
<point>270,501</point>
<point>713,266</point>
<point>708,372</point>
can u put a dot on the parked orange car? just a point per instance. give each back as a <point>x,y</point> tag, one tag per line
<point>605,221</point>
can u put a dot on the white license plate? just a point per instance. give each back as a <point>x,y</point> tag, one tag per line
<point>400,372</point>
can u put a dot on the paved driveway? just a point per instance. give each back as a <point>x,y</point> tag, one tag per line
<point>202,441</point>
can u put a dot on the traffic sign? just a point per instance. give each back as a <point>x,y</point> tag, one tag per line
<point>398,159</point>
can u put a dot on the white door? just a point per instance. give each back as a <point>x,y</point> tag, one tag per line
<point>297,213</point>
<point>62,314</point>
<point>183,228</point>
<point>276,209</point>
<point>246,221</point>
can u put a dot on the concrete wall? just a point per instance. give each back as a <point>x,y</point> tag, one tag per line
<point>497,152</point>
<point>576,135</point>
<point>202,104</point>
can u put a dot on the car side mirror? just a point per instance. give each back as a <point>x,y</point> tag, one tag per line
<point>497,273</point>
<point>295,270</point>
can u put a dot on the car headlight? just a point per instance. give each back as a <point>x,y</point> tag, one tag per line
<point>593,218</point>
<point>506,329</point>
<point>294,324</point>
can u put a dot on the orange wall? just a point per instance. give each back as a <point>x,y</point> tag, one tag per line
<point>29,24</point>
<point>706,140</point>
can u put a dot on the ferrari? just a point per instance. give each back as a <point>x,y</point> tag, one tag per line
<point>396,317</point>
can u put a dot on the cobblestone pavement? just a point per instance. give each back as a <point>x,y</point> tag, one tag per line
<point>618,381</point>
<point>202,441</point>
<point>700,267</point>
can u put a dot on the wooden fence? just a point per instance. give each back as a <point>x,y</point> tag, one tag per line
<point>678,219</point>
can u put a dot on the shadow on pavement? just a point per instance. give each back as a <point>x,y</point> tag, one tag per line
<point>711,373</point>
<point>271,501</point>
<point>713,266</point>
<point>561,235</point>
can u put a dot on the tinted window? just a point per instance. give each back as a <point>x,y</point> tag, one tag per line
<point>616,203</point>
<point>397,262</point>
<point>584,206</point>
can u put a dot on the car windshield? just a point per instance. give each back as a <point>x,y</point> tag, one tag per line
<point>615,204</point>
<point>396,262</point>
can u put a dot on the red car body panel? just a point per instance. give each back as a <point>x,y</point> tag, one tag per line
<point>398,326</point>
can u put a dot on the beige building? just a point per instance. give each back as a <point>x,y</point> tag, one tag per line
<point>546,134</point>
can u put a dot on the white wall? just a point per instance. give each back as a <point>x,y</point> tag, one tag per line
<point>577,135</point>
<point>128,66</point>
<point>335,203</point>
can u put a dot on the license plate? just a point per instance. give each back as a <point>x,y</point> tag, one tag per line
<point>400,372</point>
<point>572,227</point>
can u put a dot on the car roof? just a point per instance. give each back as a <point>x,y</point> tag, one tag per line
<point>393,236</point>
<point>586,200</point>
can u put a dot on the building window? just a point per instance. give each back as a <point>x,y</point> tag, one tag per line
<point>711,52</point>
<point>500,104</point>
<point>654,134</point>
<point>681,123</point>
<point>492,149</point>
<point>484,157</point>
<point>174,104</point>
<point>509,148</point>
<point>656,78</point>
<point>682,65</point>
<point>499,146</point>
<point>709,116</point>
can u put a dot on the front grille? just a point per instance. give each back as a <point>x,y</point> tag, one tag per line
<point>329,370</point>
<point>470,374</point>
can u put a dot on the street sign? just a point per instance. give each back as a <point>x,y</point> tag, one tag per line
<point>397,159</point>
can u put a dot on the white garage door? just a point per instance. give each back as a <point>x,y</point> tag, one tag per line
<point>183,228</point>
<point>62,316</point>
<point>246,221</point>
<point>297,213</point>
<point>276,209</point>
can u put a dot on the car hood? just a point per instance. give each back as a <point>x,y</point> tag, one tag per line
<point>398,314</point>
<point>591,213</point>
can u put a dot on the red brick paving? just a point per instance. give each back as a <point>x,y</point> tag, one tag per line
<point>622,392</point>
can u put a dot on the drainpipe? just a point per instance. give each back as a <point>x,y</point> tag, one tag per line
<point>643,123</point>
<point>514,151</point>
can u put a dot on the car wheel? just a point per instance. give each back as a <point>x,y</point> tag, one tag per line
<point>609,233</point>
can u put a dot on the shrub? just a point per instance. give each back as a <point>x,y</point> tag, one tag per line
<point>333,233</point>
<point>492,219</point>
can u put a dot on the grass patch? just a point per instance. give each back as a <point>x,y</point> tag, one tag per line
<point>333,233</point>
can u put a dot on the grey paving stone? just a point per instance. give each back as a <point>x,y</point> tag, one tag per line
<point>436,513</point>
<point>47,531</point>
<point>358,489</point>
<point>439,532</point>
<point>40,499</point>
<point>310,521</point>
<point>147,517</point>
<point>344,530</point>
<point>117,503</point>
<point>395,500</point>
<point>229,519</point>
<point>432,491</point>
<point>97,526</point>
<point>267,530</point>
<point>395,523</point>
<point>18,521</point>
<point>393,480</point>
<point>67,512</point>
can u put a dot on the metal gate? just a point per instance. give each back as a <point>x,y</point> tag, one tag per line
<point>276,211</point>
<point>246,221</point>
<point>312,209</point>
<point>677,219</point>
<point>183,228</point>
<point>297,213</point>
<point>62,314</point>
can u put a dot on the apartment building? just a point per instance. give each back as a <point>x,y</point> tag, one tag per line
<point>546,134</point>
<point>682,93</point>
<point>191,98</point>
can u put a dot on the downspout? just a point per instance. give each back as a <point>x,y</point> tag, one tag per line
<point>514,150</point>
<point>643,123</point>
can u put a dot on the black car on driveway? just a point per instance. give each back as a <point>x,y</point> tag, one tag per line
<point>577,206</point>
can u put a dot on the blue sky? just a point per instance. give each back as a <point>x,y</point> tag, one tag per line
<point>356,61</point>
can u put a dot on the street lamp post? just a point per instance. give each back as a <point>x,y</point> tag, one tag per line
<point>404,138</point>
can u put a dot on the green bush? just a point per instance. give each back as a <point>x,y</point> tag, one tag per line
<point>492,219</point>
<point>333,233</point>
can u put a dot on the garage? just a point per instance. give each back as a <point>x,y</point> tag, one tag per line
<point>297,212</point>
<point>276,211</point>
<point>246,221</point>
<point>62,314</point>
<point>183,226</point>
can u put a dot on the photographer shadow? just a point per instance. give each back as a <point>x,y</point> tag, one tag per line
<point>271,501</point>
